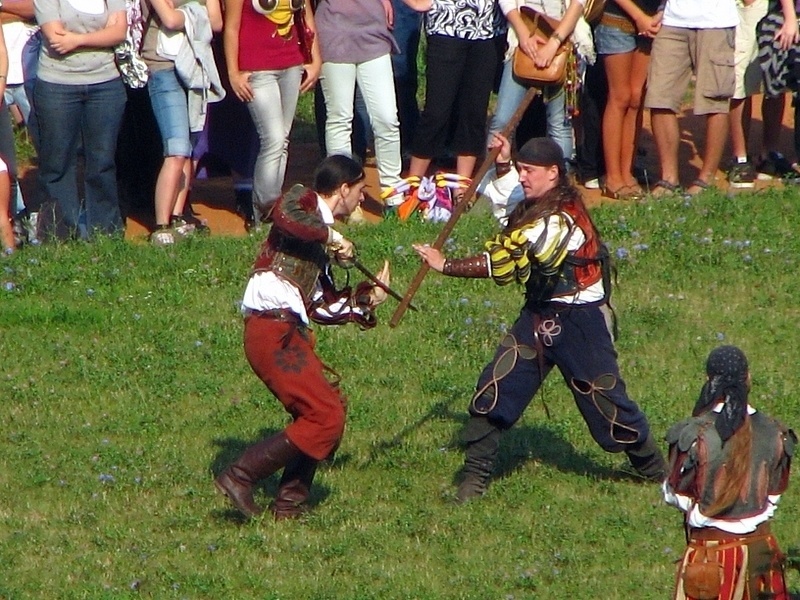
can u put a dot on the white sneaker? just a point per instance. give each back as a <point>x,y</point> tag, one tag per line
<point>162,237</point>
<point>394,201</point>
<point>592,184</point>
<point>181,228</point>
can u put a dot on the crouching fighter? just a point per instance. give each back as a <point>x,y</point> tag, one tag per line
<point>551,246</point>
<point>728,466</point>
<point>290,286</point>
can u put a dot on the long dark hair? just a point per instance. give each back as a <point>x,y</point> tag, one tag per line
<point>734,473</point>
<point>728,383</point>
<point>334,171</point>
<point>553,201</point>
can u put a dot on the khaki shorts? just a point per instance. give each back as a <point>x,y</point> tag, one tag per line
<point>747,69</point>
<point>679,52</point>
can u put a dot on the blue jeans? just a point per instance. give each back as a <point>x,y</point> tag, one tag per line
<point>171,110</point>
<point>406,32</point>
<point>272,109</point>
<point>68,114</point>
<point>559,126</point>
<point>30,66</point>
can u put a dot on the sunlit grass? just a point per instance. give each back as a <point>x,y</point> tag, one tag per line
<point>124,388</point>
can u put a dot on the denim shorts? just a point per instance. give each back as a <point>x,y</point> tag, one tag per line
<point>612,40</point>
<point>168,98</point>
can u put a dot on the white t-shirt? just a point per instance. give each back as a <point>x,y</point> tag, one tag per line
<point>701,14</point>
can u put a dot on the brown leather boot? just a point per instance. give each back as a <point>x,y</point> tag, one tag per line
<point>259,461</point>
<point>294,488</point>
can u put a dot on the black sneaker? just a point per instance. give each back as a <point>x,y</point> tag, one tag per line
<point>742,175</point>
<point>775,166</point>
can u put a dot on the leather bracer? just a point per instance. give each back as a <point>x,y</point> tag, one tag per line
<point>472,266</point>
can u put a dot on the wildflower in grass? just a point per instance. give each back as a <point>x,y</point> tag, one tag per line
<point>9,286</point>
<point>106,478</point>
<point>622,254</point>
<point>399,249</point>
<point>720,336</point>
<point>747,258</point>
<point>641,247</point>
<point>90,292</point>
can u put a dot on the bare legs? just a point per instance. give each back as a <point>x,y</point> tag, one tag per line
<point>622,119</point>
<point>667,135</point>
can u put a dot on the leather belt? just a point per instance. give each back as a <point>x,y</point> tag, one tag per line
<point>276,314</point>
<point>703,534</point>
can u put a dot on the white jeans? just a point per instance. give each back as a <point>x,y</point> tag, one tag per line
<point>376,82</point>
<point>272,109</point>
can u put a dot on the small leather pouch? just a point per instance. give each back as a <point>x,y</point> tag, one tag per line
<point>702,578</point>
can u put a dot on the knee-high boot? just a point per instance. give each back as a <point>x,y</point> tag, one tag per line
<point>648,461</point>
<point>483,441</point>
<point>259,461</point>
<point>294,488</point>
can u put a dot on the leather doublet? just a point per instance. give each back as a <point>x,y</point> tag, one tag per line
<point>299,261</point>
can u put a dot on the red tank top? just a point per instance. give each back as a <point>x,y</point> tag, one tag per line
<point>260,46</point>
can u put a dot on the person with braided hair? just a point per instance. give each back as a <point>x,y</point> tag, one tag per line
<point>728,466</point>
<point>551,246</point>
<point>291,284</point>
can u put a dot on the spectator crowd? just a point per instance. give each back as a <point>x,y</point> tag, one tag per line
<point>85,77</point>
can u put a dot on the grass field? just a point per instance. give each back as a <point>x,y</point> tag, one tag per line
<point>124,389</point>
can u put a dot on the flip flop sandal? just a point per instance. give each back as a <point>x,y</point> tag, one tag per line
<point>625,192</point>
<point>702,185</point>
<point>664,189</point>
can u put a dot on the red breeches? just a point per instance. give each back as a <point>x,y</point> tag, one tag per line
<point>282,355</point>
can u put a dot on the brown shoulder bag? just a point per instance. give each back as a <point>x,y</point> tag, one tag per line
<point>525,69</point>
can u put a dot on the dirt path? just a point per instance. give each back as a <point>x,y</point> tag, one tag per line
<point>213,198</point>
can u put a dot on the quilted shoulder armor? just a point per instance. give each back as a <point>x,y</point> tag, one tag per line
<point>687,432</point>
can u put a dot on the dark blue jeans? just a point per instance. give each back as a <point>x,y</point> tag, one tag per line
<point>406,31</point>
<point>69,115</point>
<point>577,341</point>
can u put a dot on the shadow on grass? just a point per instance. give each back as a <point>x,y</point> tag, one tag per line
<point>437,412</point>
<point>230,448</point>
<point>520,445</point>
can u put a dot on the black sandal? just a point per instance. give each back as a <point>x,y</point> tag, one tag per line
<point>699,183</point>
<point>669,189</point>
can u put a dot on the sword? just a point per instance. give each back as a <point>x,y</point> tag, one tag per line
<point>360,266</point>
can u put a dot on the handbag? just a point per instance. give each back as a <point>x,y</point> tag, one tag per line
<point>593,10</point>
<point>132,68</point>
<point>523,66</point>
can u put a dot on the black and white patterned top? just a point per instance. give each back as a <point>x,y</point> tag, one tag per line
<point>465,19</point>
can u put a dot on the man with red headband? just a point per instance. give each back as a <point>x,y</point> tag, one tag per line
<point>728,466</point>
<point>551,246</point>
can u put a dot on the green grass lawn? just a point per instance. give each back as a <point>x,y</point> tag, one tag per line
<point>124,389</point>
